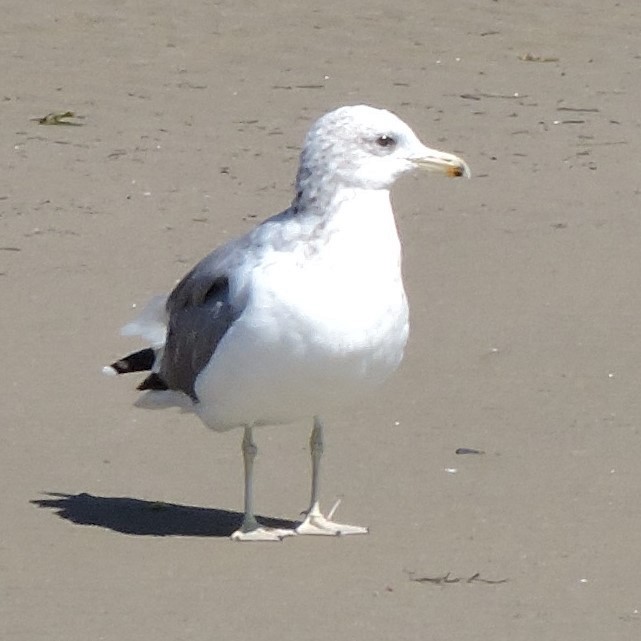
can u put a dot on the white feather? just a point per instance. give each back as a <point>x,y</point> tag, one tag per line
<point>151,323</point>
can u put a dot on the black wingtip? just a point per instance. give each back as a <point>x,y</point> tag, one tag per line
<point>141,361</point>
<point>153,382</point>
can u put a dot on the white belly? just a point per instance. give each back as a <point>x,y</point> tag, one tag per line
<point>325,321</point>
<point>310,340</point>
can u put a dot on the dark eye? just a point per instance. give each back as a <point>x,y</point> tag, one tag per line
<point>386,141</point>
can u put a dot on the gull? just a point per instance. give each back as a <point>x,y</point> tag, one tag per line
<point>303,315</point>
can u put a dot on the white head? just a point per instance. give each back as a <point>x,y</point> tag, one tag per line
<point>362,147</point>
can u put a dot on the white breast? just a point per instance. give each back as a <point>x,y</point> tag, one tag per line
<point>323,324</point>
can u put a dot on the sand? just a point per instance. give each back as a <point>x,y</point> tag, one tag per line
<point>524,285</point>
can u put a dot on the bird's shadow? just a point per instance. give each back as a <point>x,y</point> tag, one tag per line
<point>147,518</point>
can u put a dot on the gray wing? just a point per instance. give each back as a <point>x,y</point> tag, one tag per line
<point>200,308</point>
<point>200,313</point>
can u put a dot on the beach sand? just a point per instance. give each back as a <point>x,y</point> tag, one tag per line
<point>525,293</point>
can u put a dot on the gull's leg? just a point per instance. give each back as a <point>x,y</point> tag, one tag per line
<point>315,522</point>
<point>251,529</point>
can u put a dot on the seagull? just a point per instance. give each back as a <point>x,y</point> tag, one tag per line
<point>303,315</point>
